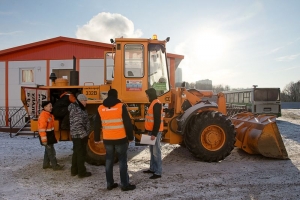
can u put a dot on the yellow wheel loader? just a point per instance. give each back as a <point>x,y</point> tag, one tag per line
<point>195,119</point>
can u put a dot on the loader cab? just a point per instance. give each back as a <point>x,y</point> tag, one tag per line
<point>139,64</point>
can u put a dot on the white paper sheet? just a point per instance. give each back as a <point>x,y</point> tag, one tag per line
<point>146,139</point>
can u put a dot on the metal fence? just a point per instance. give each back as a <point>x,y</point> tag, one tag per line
<point>16,114</point>
<point>290,105</point>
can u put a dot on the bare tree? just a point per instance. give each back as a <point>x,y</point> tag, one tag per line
<point>226,88</point>
<point>291,92</point>
<point>218,88</point>
<point>284,97</point>
<point>192,85</point>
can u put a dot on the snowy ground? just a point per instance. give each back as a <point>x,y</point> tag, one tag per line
<point>239,176</point>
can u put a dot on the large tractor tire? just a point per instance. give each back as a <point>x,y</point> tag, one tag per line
<point>210,136</point>
<point>95,154</point>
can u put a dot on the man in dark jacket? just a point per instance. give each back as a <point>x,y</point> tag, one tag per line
<point>114,121</point>
<point>60,109</point>
<point>154,126</point>
<point>79,130</point>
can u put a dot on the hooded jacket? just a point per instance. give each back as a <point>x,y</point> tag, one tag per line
<point>109,102</point>
<point>60,108</point>
<point>156,111</point>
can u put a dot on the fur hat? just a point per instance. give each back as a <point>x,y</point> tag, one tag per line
<point>112,93</point>
<point>45,103</point>
<point>82,97</point>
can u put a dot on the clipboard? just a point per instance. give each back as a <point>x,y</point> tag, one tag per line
<point>146,139</point>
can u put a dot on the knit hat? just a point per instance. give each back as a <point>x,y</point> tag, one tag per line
<point>45,103</point>
<point>112,93</point>
<point>82,97</point>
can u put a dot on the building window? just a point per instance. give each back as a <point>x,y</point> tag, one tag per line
<point>27,75</point>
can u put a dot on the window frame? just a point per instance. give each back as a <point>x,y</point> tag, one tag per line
<point>142,60</point>
<point>21,70</point>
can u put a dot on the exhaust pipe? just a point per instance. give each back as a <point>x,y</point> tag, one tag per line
<point>74,75</point>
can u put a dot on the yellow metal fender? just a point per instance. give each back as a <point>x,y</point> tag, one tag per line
<point>259,135</point>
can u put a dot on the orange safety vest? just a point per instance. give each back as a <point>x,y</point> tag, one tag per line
<point>112,122</point>
<point>149,118</point>
<point>45,123</point>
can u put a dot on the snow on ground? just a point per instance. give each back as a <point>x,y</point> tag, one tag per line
<point>239,176</point>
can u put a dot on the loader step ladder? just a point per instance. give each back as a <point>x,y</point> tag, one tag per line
<point>21,121</point>
<point>26,130</point>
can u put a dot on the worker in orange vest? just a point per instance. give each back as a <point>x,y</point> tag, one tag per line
<point>114,120</point>
<point>154,126</point>
<point>47,136</point>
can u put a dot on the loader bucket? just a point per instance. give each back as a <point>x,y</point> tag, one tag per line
<point>259,135</point>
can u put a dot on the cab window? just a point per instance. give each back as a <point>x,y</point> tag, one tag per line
<point>134,60</point>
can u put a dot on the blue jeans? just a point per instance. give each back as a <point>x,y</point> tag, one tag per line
<point>50,156</point>
<point>121,151</point>
<point>155,160</point>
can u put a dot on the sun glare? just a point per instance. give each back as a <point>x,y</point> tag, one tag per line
<point>210,46</point>
<point>204,49</point>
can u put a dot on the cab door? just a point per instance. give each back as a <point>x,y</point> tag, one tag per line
<point>109,64</point>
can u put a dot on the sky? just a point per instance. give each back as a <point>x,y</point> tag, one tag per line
<point>231,42</point>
